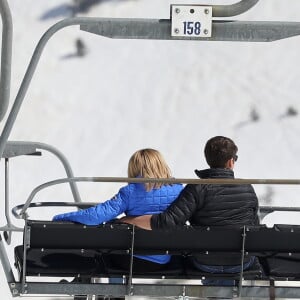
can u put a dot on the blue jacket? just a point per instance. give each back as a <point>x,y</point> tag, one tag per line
<point>133,200</point>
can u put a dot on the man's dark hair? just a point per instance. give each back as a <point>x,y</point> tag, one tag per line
<point>218,150</point>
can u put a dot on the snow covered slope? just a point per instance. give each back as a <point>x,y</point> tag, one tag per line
<point>125,95</point>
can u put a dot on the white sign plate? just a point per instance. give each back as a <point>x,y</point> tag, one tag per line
<point>191,21</point>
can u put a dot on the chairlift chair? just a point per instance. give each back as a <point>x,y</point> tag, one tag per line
<point>34,257</point>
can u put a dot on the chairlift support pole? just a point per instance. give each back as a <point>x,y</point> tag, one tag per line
<point>5,263</point>
<point>6,54</point>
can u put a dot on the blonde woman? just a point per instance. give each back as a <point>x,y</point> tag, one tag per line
<point>135,199</point>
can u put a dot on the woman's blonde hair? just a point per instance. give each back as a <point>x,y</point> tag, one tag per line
<point>148,163</point>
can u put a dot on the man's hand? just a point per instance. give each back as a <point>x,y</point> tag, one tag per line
<point>141,221</point>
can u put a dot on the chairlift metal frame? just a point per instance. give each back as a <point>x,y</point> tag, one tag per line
<point>117,28</point>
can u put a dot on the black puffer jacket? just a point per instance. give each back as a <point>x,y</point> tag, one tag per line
<point>212,205</point>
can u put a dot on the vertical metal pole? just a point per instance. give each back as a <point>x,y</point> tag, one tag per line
<point>130,287</point>
<point>26,245</point>
<point>242,261</point>
<point>6,54</point>
<point>6,191</point>
<point>5,263</point>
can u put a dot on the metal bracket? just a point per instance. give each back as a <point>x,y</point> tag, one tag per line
<point>14,291</point>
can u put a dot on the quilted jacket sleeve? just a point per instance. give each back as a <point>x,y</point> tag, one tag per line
<point>100,213</point>
<point>179,211</point>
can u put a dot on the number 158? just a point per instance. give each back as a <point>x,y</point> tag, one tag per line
<point>192,28</point>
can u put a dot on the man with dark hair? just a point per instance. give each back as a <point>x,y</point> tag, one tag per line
<point>211,205</point>
<point>219,150</point>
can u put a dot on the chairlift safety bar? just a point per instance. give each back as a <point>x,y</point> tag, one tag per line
<point>153,180</point>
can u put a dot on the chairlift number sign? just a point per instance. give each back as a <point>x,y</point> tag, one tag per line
<point>191,21</point>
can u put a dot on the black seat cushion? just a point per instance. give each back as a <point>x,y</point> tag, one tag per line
<point>282,265</point>
<point>57,262</point>
<point>112,267</point>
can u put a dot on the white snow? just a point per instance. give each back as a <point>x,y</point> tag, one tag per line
<point>169,95</point>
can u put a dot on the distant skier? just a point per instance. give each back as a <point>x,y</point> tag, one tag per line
<point>80,48</point>
<point>254,115</point>
<point>291,111</point>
